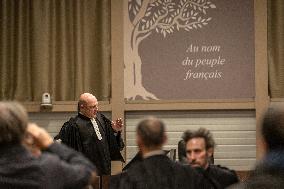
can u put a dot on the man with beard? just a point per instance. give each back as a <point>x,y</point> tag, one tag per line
<point>199,150</point>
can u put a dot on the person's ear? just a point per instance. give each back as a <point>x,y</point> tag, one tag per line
<point>81,107</point>
<point>263,147</point>
<point>138,140</point>
<point>210,152</point>
<point>165,138</point>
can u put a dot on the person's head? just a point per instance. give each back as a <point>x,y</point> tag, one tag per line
<point>199,147</point>
<point>13,123</point>
<point>272,128</point>
<point>88,105</point>
<point>150,135</point>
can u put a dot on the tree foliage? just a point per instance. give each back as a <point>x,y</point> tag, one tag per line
<point>167,16</point>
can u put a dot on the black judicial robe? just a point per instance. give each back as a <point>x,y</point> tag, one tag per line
<point>137,158</point>
<point>157,172</point>
<point>79,133</point>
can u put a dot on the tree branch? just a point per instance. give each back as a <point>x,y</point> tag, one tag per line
<point>179,16</point>
<point>141,12</point>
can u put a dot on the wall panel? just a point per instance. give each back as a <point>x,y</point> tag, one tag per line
<point>234,133</point>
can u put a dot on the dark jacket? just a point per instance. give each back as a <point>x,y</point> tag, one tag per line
<point>272,169</point>
<point>218,177</point>
<point>274,160</point>
<point>269,174</point>
<point>79,134</point>
<point>58,167</point>
<point>157,172</point>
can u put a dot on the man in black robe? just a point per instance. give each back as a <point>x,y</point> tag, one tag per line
<point>91,133</point>
<point>155,170</point>
<point>199,150</point>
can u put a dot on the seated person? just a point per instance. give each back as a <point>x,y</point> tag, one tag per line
<point>182,153</point>
<point>155,170</point>
<point>50,165</point>
<point>199,149</point>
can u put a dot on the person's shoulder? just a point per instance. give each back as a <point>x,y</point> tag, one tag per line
<point>51,160</point>
<point>182,170</point>
<point>128,179</point>
<point>180,165</point>
<point>100,115</point>
<point>50,156</point>
<point>189,170</point>
<point>48,162</point>
<point>137,158</point>
<point>135,173</point>
<point>70,122</point>
<point>69,126</point>
<point>141,166</point>
<point>262,180</point>
<point>224,171</point>
<point>266,168</point>
<point>188,177</point>
<point>219,167</point>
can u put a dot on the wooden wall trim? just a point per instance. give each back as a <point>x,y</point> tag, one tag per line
<point>261,68</point>
<point>277,100</point>
<point>190,106</point>
<point>106,106</point>
<point>62,106</point>
<point>117,67</point>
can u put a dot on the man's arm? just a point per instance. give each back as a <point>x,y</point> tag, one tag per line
<point>70,136</point>
<point>115,140</point>
<point>114,130</point>
<point>117,126</point>
<point>72,168</point>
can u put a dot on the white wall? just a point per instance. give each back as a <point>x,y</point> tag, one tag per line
<point>234,132</point>
<point>53,122</point>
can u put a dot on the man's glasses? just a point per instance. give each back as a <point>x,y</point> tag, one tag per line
<point>93,107</point>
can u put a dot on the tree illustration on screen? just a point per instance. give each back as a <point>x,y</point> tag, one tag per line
<point>161,16</point>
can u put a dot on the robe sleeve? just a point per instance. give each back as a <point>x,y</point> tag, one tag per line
<point>116,143</point>
<point>70,136</point>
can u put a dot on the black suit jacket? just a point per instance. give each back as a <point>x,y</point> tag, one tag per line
<point>157,172</point>
<point>218,177</point>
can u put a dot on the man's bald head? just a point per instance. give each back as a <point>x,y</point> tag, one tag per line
<point>88,105</point>
<point>86,97</point>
